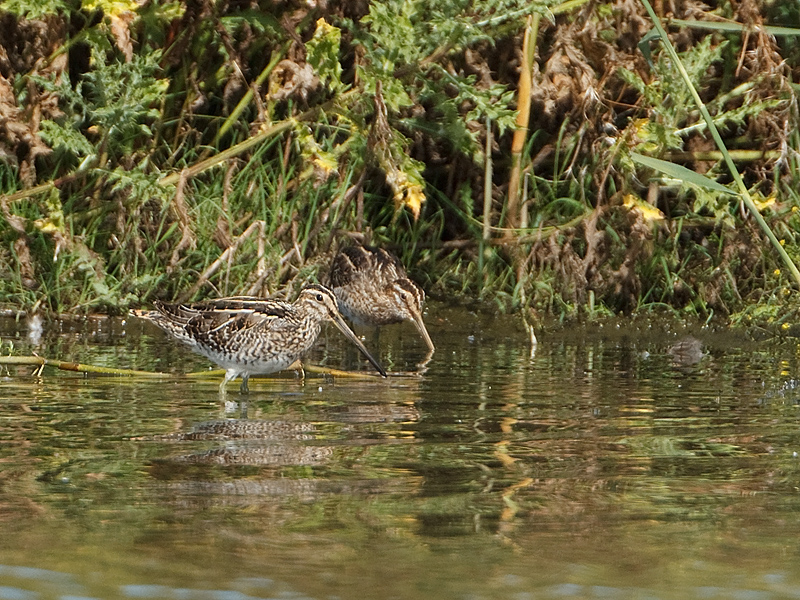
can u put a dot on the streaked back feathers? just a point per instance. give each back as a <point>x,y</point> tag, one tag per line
<point>355,262</point>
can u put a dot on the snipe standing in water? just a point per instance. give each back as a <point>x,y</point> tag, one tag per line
<point>373,289</point>
<point>253,336</point>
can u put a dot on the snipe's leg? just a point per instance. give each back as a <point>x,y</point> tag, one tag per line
<point>229,374</point>
<point>297,367</point>
<point>244,388</point>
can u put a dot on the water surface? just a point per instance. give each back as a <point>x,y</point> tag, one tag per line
<point>602,465</point>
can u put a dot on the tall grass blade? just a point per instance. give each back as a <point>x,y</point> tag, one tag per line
<point>734,27</point>
<point>248,97</point>
<point>680,172</point>
<point>245,145</point>
<point>487,184</point>
<point>514,217</point>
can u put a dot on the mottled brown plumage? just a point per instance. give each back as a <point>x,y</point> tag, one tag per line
<point>373,289</point>
<point>253,336</point>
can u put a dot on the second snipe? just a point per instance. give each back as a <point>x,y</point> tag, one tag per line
<point>373,289</point>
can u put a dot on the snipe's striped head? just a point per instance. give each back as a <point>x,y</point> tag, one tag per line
<point>408,301</point>
<point>408,298</point>
<point>318,298</point>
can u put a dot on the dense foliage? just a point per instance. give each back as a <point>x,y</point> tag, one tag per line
<point>195,147</point>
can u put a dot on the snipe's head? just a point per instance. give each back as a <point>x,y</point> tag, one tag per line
<point>408,301</point>
<point>320,300</point>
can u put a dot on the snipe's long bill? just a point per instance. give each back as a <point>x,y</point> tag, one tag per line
<point>253,336</point>
<point>373,289</point>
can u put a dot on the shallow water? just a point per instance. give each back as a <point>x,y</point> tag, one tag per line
<point>599,466</point>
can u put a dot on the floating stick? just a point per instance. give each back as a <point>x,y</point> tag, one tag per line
<point>38,361</point>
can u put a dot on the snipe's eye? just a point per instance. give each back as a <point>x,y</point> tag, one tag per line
<point>319,297</point>
<point>404,296</point>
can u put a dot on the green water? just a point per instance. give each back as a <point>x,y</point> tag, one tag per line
<point>596,467</point>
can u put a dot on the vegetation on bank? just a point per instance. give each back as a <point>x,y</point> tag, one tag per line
<point>502,148</point>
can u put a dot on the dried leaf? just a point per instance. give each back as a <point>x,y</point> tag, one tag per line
<point>19,134</point>
<point>23,256</point>
<point>120,27</point>
<point>647,212</point>
<point>292,80</point>
<point>403,173</point>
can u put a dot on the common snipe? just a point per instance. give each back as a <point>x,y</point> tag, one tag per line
<point>253,336</point>
<point>373,289</point>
